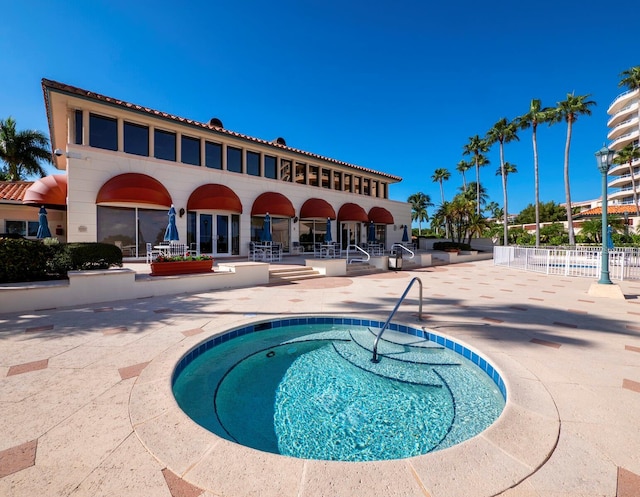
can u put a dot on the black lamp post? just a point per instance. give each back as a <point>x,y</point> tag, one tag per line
<point>604,156</point>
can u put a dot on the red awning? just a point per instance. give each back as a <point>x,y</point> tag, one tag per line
<point>380,215</point>
<point>134,188</point>
<point>317,208</point>
<point>215,197</point>
<point>50,191</point>
<point>352,212</point>
<point>273,203</point>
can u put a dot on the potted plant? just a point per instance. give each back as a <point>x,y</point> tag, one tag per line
<point>170,265</point>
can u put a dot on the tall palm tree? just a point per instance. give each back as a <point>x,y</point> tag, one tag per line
<point>569,110</point>
<point>536,115</point>
<point>472,190</point>
<point>439,176</point>
<point>462,167</point>
<point>630,78</point>
<point>626,156</point>
<point>503,132</point>
<point>419,204</point>
<point>22,151</point>
<point>476,147</point>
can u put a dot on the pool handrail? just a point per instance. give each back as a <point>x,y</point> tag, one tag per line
<point>375,358</point>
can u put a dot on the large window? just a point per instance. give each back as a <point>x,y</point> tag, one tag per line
<point>121,224</point>
<point>253,163</point>
<point>79,124</point>
<point>165,145</point>
<point>24,228</point>
<point>313,175</point>
<point>190,150</point>
<point>213,155</point>
<point>301,173</point>
<point>337,181</point>
<point>136,139</point>
<point>103,132</point>
<point>356,184</point>
<point>346,185</point>
<point>234,159</point>
<point>325,178</point>
<point>285,170</point>
<point>365,186</point>
<point>374,188</point>
<point>270,167</point>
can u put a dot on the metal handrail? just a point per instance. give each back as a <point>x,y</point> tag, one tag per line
<point>396,246</point>
<point>395,309</point>
<point>357,247</point>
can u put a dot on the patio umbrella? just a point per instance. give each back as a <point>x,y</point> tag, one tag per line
<point>327,235</point>
<point>171,233</point>
<point>609,238</point>
<point>266,229</point>
<point>371,236</point>
<point>43,225</point>
<point>405,236</point>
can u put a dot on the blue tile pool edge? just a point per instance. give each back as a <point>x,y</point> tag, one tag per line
<point>258,326</point>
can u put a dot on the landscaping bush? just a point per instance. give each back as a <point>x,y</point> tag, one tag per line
<point>451,245</point>
<point>92,256</point>
<point>23,260</point>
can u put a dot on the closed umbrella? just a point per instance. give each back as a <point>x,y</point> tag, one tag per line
<point>266,229</point>
<point>405,236</point>
<point>171,233</point>
<point>43,225</point>
<point>371,237</point>
<point>609,238</point>
<point>327,235</point>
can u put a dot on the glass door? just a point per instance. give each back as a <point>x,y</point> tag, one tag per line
<point>350,234</point>
<point>222,234</point>
<point>206,229</point>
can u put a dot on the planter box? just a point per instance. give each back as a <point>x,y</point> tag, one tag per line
<point>180,267</point>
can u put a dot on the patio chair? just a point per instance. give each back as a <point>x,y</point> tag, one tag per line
<point>151,253</point>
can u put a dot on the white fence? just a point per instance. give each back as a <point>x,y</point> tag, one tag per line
<point>624,263</point>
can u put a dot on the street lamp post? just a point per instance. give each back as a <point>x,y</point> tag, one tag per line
<point>604,156</point>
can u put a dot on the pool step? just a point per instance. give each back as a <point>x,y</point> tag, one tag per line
<point>283,276</point>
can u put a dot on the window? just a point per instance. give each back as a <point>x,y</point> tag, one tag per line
<point>78,127</point>
<point>165,145</point>
<point>103,132</point>
<point>234,159</point>
<point>365,186</point>
<point>270,167</point>
<point>190,150</point>
<point>325,178</point>
<point>213,155</point>
<point>374,188</point>
<point>337,181</point>
<point>253,163</point>
<point>346,186</point>
<point>285,170</point>
<point>301,173</point>
<point>356,184</point>
<point>314,172</point>
<point>24,228</point>
<point>136,139</point>
<point>383,190</point>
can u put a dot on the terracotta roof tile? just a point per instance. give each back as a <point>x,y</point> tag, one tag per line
<point>611,209</point>
<point>13,190</point>
<point>54,85</point>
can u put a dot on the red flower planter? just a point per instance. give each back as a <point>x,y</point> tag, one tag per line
<point>181,267</point>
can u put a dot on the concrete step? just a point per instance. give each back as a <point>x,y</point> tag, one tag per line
<point>290,274</point>
<point>361,268</point>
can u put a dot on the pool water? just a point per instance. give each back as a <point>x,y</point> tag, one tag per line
<point>311,391</point>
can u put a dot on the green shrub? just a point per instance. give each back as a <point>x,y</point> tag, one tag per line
<point>93,256</point>
<point>451,245</point>
<point>23,260</point>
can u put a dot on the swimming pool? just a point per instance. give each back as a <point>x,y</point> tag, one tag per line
<point>306,388</point>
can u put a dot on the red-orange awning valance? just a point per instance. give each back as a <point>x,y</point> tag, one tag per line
<point>134,188</point>
<point>215,197</point>
<point>50,191</point>
<point>317,208</point>
<point>273,203</point>
<point>380,215</point>
<point>352,212</point>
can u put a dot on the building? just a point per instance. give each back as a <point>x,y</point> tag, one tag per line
<point>125,165</point>
<point>624,128</point>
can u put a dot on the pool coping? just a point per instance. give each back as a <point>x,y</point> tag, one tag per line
<point>519,442</point>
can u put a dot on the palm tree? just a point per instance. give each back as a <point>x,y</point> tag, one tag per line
<point>22,151</point>
<point>472,190</point>
<point>419,204</point>
<point>630,78</point>
<point>503,132</point>
<point>508,169</point>
<point>626,156</point>
<point>494,209</point>
<point>569,110</point>
<point>536,115</point>
<point>440,175</point>
<point>462,167</point>
<point>475,147</point>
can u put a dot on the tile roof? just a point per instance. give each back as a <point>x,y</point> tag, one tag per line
<point>611,209</point>
<point>13,190</point>
<point>54,85</point>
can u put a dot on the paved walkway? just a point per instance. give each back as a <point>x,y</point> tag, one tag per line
<point>85,400</point>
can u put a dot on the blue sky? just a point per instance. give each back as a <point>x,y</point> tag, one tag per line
<point>393,86</point>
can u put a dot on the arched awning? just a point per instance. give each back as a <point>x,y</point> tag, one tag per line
<point>380,215</point>
<point>273,203</point>
<point>352,212</point>
<point>50,191</point>
<point>215,197</point>
<point>134,188</point>
<point>317,208</point>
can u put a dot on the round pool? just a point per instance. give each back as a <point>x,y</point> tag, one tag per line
<point>307,388</point>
